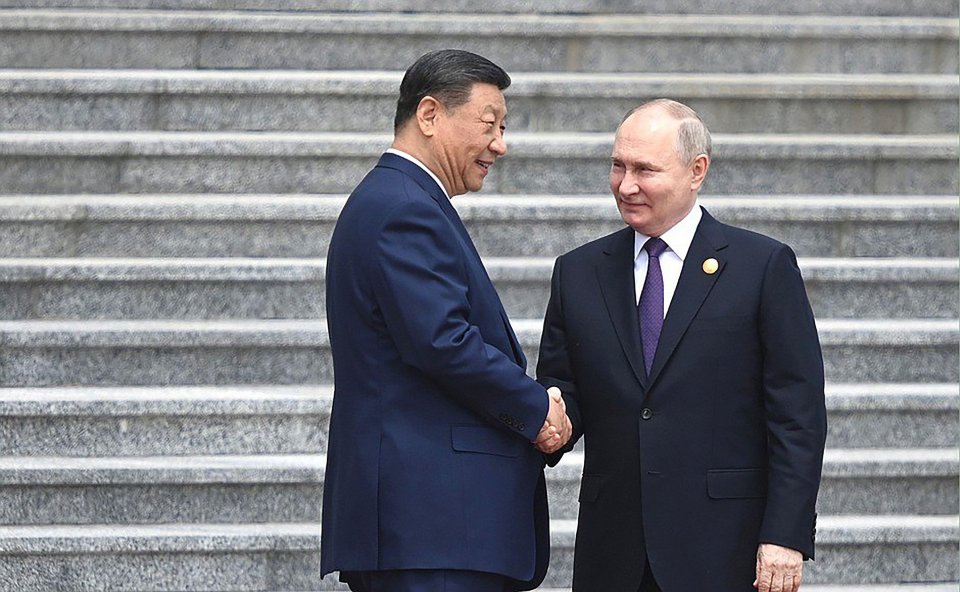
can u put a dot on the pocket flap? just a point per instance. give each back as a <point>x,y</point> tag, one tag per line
<point>485,440</point>
<point>736,483</point>
<point>590,487</point>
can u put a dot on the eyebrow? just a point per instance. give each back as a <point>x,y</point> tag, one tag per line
<point>636,163</point>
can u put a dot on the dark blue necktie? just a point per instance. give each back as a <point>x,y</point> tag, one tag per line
<point>650,307</point>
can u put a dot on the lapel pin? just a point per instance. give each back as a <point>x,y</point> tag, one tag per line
<point>710,266</point>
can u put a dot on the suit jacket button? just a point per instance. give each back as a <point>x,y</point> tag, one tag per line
<point>647,413</point>
<point>521,426</point>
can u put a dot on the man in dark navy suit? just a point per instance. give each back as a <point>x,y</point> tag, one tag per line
<point>689,361</point>
<point>434,478</point>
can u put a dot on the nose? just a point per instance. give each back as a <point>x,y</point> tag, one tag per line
<point>499,145</point>
<point>627,184</point>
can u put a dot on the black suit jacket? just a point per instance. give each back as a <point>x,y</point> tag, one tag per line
<point>721,447</point>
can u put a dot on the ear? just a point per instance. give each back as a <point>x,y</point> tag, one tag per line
<point>698,170</point>
<point>427,112</point>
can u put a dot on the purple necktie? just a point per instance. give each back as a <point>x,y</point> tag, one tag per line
<point>650,307</point>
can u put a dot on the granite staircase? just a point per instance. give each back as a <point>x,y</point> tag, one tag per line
<point>170,172</point>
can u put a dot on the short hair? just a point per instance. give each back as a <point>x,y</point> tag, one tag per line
<point>693,137</point>
<point>447,75</point>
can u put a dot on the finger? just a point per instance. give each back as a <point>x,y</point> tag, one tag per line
<point>795,583</point>
<point>776,583</point>
<point>546,434</point>
<point>555,394</point>
<point>548,448</point>
<point>764,580</point>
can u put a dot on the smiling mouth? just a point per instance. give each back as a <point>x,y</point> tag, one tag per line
<point>484,165</point>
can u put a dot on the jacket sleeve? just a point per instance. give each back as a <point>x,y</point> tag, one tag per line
<point>554,367</point>
<point>793,389</point>
<point>422,289</point>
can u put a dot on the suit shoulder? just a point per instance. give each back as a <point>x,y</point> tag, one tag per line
<point>385,194</point>
<point>749,239</point>
<point>593,249</point>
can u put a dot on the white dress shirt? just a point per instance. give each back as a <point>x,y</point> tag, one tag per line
<point>403,154</point>
<point>678,241</point>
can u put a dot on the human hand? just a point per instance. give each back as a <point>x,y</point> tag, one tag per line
<point>557,428</point>
<point>779,569</point>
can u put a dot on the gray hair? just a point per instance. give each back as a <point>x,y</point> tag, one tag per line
<point>693,137</point>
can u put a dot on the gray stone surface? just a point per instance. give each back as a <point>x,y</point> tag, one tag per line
<point>219,489</point>
<point>294,288</point>
<point>635,43</point>
<point>837,288</point>
<point>858,482</point>
<point>157,288</point>
<point>850,549</point>
<point>48,353</point>
<point>816,157</point>
<point>835,7</point>
<point>164,352</point>
<point>858,548</point>
<point>144,421</point>
<point>506,225</point>
<point>168,557</point>
<point>364,102</point>
<point>539,163</point>
<point>893,415</point>
<point>858,350</point>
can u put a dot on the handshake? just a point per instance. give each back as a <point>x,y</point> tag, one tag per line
<point>557,429</point>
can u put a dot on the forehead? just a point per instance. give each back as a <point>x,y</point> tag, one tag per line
<point>486,98</point>
<point>645,134</point>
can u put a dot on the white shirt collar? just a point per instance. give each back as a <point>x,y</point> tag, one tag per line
<point>678,237</point>
<point>403,154</point>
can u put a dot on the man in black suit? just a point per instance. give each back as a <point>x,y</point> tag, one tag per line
<point>689,360</point>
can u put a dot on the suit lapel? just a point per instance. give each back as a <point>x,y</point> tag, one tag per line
<point>615,274</point>
<point>430,186</point>
<point>692,289</point>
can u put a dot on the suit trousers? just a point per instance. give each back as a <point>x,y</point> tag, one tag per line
<point>424,580</point>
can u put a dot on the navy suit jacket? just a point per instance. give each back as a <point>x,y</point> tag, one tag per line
<point>429,461</point>
<point>721,447</point>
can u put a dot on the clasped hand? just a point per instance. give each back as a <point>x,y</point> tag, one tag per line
<point>557,429</point>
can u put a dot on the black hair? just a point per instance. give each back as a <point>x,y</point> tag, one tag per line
<point>447,75</point>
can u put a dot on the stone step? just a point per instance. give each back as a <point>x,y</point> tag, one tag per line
<point>851,550</point>
<point>174,100</point>
<point>948,587</point>
<point>152,490</point>
<point>222,162</point>
<point>748,7</point>
<point>198,225</point>
<point>164,420</point>
<point>288,488</point>
<point>209,557</point>
<point>183,352</point>
<point>38,38</point>
<point>243,419</point>
<point>837,288</point>
<point>224,288</point>
<point>855,481</point>
<point>892,415</point>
